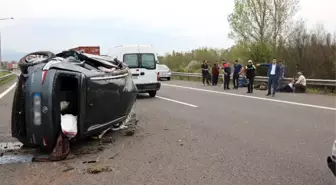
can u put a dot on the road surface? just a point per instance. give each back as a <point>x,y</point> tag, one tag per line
<point>195,134</point>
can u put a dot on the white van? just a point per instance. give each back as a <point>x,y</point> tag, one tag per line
<point>142,60</point>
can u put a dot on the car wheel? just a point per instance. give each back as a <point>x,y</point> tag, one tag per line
<point>152,93</point>
<point>168,78</point>
<point>34,58</point>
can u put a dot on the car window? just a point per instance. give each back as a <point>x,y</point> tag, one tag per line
<point>148,61</point>
<point>131,60</point>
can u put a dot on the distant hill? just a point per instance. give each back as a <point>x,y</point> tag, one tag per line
<point>9,55</point>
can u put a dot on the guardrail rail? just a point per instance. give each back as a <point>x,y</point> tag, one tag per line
<point>310,82</point>
<point>6,76</point>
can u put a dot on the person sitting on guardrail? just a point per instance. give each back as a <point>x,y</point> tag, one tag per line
<point>205,72</point>
<point>300,83</point>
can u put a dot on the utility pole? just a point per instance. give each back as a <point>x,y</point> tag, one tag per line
<point>3,19</point>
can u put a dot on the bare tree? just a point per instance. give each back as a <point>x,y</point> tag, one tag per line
<point>250,21</point>
<point>281,13</point>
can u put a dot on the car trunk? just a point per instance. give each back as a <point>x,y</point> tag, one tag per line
<point>65,89</point>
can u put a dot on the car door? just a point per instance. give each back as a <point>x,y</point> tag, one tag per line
<point>103,101</point>
<point>148,73</point>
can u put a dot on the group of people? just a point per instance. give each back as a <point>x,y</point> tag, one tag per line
<point>275,75</point>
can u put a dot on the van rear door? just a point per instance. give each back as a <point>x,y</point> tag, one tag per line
<point>143,67</point>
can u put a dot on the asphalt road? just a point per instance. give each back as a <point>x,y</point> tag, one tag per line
<point>195,134</point>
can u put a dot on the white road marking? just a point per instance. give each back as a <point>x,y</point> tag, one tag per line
<point>7,90</point>
<point>175,101</point>
<point>253,97</point>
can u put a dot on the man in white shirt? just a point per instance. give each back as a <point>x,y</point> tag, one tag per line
<point>300,84</point>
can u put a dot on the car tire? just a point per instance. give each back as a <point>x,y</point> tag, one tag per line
<point>168,78</point>
<point>152,93</point>
<point>24,64</point>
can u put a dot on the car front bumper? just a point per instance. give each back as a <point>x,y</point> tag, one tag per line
<point>148,87</point>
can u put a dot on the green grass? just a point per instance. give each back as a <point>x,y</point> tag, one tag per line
<point>3,73</point>
<point>7,80</point>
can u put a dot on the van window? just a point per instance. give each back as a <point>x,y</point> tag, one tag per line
<point>131,60</point>
<point>148,61</point>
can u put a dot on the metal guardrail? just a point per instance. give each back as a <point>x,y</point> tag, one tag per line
<point>6,76</point>
<point>310,82</point>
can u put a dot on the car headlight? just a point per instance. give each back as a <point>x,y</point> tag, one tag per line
<point>37,109</point>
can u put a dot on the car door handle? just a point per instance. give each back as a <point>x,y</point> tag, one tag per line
<point>142,73</point>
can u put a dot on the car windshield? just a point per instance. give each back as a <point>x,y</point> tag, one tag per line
<point>147,61</point>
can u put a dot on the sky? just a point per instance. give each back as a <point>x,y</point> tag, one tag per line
<point>167,24</point>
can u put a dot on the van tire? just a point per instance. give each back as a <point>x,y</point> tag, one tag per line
<point>168,78</point>
<point>152,93</point>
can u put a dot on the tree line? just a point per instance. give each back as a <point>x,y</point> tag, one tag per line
<point>263,29</point>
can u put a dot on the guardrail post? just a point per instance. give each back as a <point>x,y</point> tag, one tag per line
<point>188,76</point>
<point>325,89</point>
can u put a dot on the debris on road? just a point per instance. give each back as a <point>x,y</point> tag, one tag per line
<point>130,133</point>
<point>8,159</point>
<point>107,140</point>
<point>68,169</point>
<point>60,152</point>
<point>115,155</point>
<point>10,146</point>
<point>96,170</point>
<point>89,162</point>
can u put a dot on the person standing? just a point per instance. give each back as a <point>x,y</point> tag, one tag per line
<point>282,75</point>
<point>205,72</point>
<point>236,71</point>
<point>227,74</point>
<point>250,74</point>
<point>273,74</point>
<point>215,73</point>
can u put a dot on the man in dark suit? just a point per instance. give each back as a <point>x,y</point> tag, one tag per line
<point>273,74</point>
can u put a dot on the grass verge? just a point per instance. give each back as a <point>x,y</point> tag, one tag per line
<point>3,73</point>
<point>7,80</point>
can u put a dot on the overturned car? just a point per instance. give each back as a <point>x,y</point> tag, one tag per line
<point>70,94</point>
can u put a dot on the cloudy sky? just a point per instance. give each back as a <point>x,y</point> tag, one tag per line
<point>167,24</point>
